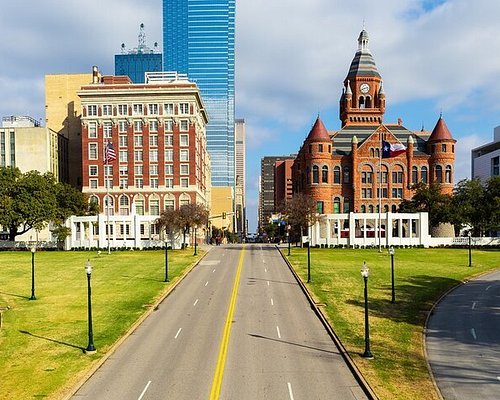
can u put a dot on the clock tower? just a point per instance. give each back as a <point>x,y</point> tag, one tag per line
<point>363,98</point>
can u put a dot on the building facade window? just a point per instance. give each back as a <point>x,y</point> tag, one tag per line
<point>92,110</point>
<point>320,207</point>
<point>347,175</point>
<point>122,109</point>
<point>184,108</point>
<point>336,205</point>
<point>414,174</point>
<point>347,205</point>
<point>153,109</point>
<point>154,207</point>
<point>169,140</point>
<point>139,207</point>
<point>92,151</point>
<point>92,130</point>
<point>424,174</point>
<point>137,109</point>
<point>122,126</point>
<point>184,168</point>
<point>324,174</point>
<point>123,155</point>
<point>184,125</point>
<point>447,174</point>
<point>184,182</point>
<point>153,126</point>
<point>495,166</point>
<point>169,155</point>
<point>169,169</point>
<point>107,128</point>
<point>336,175</point>
<point>184,155</point>
<point>184,140</point>
<point>439,173</point>
<point>315,174</point>
<point>137,126</point>
<point>107,110</point>
<point>168,108</point>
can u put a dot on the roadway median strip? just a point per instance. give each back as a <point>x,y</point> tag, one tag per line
<point>221,359</point>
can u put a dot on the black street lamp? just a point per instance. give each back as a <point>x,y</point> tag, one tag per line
<point>309,257</point>
<point>364,273</point>
<point>393,295</point>
<point>90,348</point>
<point>288,236</point>
<point>166,259</point>
<point>470,249</point>
<point>195,244</point>
<point>33,250</point>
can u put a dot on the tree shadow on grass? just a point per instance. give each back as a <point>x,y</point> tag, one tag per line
<point>414,298</point>
<point>53,340</point>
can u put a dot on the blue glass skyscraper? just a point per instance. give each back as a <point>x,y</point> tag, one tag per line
<point>198,39</point>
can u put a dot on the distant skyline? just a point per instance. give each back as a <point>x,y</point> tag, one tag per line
<point>291,59</point>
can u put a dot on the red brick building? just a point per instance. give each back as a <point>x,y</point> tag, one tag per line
<point>157,131</point>
<point>283,185</point>
<point>340,169</point>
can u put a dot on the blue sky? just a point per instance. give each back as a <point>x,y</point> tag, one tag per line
<point>291,59</point>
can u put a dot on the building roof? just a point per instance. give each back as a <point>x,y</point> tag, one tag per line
<point>363,63</point>
<point>343,138</point>
<point>318,132</point>
<point>440,131</point>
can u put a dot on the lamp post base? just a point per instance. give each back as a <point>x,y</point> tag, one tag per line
<point>367,354</point>
<point>87,351</point>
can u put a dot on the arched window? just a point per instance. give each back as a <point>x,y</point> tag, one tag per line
<point>370,208</point>
<point>363,208</point>
<point>347,174</point>
<point>397,175</point>
<point>447,174</point>
<point>324,174</point>
<point>124,205</point>
<point>336,174</point>
<point>315,174</point>
<point>424,175</point>
<point>439,174</point>
<point>336,205</point>
<point>394,208</point>
<point>372,152</point>
<point>169,202</point>
<point>184,199</point>
<point>361,102</point>
<point>368,102</point>
<point>367,174</point>
<point>347,205</point>
<point>386,208</point>
<point>414,174</point>
<point>94,199</point>
<point>377,153</point>
<point>109,205</point>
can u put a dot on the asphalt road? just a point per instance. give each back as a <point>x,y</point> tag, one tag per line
<point>238,327</point>
<point>463,341</point>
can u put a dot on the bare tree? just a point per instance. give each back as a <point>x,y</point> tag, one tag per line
<point>300,211</point>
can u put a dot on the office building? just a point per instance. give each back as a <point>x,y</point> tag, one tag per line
<point>62,115</point>
<point>240,207</point>
<point>486,158</point>
<point>136,62</point>
<point>267,206</point>
<point>156,131</point>
<point>283,184</point>
<point>198,40</point>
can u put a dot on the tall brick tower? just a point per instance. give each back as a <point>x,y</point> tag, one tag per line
<point>363,97</point>
<point>441,147</point>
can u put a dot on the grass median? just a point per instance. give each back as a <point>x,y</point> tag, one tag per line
<point>42,340</point>
<point>399,369</point>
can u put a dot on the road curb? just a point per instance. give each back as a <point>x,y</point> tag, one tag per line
<point>431,311</point>
<point>343,352</point>
<point>132,329</point>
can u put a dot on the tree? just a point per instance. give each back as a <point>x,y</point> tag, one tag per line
<point>300,211</point>
<point>428,198</point>
<point>183,219</point>
<point>31,200</point>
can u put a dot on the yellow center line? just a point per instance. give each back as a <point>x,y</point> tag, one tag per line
<point>221,360</point>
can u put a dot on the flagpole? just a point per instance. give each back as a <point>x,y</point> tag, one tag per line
<point>107,194</point>
<point>380,195</point>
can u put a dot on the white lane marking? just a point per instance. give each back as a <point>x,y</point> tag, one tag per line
<point>473,305</point>
<point>278,330</point>
<point>213,271</point>
<point>206,283</point>
<point>488,287</point>
<point>178,332</point>
<point>498,377</point>
<point>144,391</point>
<point>210,262</point>
<point>290,390</point>
<point>473,332</point>
<point>267,283</point>
<point>196,302</point>
<point>272,302</point>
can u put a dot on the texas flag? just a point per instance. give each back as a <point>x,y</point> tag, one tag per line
<point>392,150</point>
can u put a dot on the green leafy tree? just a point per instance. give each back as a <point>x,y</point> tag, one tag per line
<point>492,199</point>
<point>428,198</point>
<point>31,200</point>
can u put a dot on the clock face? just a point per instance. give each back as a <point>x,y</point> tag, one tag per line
<point>364,87</point>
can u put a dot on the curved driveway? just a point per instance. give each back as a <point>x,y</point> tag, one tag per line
<point>463,341</point>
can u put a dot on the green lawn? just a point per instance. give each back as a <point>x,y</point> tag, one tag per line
<point>42,340</point>
<point>399,369</point>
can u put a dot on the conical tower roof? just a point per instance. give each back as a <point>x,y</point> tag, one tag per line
<point>440,131</point>
<point>363,63</point>
<point>318,132</point>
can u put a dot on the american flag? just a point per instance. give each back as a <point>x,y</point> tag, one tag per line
<point>109,154</point>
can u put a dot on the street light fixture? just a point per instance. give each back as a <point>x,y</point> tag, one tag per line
<point>365,272</point>
<point>90,348</point>
<point>195,244</point>
<point>393,294</point>
<point>288,236</point>
<point>33,250</point>
<point>470,249</point>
